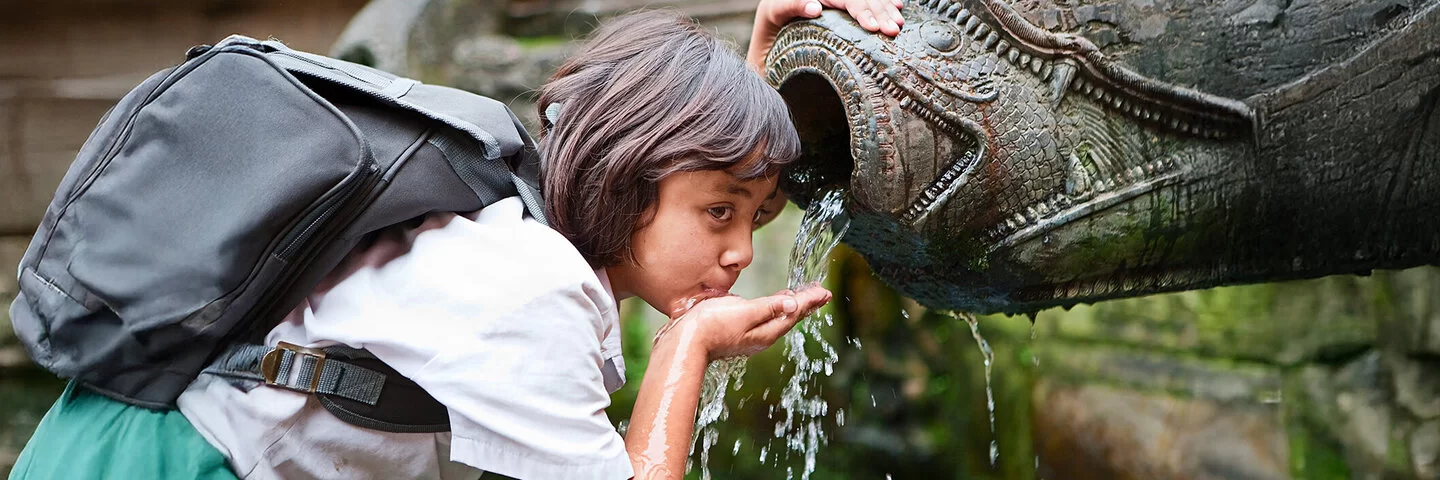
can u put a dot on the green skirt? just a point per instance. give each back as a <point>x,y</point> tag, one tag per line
<point>87,435</point>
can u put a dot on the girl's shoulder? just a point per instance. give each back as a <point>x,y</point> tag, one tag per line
<point>500,247</point>
<point>496,255</point>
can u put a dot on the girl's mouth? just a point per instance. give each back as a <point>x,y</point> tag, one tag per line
<point>712,292</point>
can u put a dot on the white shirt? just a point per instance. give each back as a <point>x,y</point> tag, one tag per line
<point>495,315</point>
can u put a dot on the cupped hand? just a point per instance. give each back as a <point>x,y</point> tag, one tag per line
<point>731,326</point>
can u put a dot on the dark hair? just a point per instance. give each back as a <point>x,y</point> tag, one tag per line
<point>650,94</point>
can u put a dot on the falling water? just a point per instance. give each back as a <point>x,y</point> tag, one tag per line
<point>989,394</point>
<point>800,403</point>
<point>804,410</point>
<point>718,376</point>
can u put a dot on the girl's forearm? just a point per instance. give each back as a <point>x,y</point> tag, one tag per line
<point>663,420</point>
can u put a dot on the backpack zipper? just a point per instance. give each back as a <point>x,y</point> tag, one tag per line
<point>299,238</point>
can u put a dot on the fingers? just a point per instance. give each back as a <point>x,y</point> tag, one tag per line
<point>811,298</point>
<point>807,301</point>
<point>767,333</point>
<point>789,9</point>
<point>873,15</point>
<point>860,11</point>
<point>786,304</point>
<point>888,16</point>
<point>810,9</point>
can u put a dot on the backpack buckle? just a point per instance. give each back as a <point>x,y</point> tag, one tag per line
<point>272,361</point>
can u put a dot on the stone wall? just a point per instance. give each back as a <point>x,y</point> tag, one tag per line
<point>63,63</point>
<point>1329,378</point>
<point>1336,377</point>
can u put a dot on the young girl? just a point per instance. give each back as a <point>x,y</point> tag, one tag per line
<point>661,152</point>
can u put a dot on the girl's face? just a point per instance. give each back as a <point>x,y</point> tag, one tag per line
<point>697,240</point>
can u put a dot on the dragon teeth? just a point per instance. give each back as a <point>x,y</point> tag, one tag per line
<point>980,31</point>
<point>1060,83</point>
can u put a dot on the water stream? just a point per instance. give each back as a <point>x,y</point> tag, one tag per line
<point>800,407</point>
<point>989,393</point>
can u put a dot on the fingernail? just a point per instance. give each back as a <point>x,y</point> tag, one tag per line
<point>789,305</point>
<point>812,8</point>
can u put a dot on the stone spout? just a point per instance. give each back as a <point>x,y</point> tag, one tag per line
<point>1007,160</point>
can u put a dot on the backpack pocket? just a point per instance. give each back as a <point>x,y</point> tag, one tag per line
<point>219,174</point>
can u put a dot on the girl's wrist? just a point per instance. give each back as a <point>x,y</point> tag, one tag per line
<point>684,336</point>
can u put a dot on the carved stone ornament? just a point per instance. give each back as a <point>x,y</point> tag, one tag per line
<point>995,165</point>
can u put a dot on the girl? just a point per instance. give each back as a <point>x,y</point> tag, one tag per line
<point>661,155</point>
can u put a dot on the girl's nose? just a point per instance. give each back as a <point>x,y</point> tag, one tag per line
<point>739,254</point>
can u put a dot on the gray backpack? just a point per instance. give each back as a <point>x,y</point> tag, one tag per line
<point>213,197</point>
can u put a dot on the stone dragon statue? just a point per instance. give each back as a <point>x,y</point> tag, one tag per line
<point>1009,158</point>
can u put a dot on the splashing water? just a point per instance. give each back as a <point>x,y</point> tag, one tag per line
<point>718,376</point>
<point>804,410</point>
<point>800,404</point>
<point>989,394</point>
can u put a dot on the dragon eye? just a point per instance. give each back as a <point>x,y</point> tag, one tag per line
<point>941,37</point>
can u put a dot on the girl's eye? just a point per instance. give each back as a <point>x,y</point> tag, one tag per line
<point>759,214</point>
<point>721,213</point>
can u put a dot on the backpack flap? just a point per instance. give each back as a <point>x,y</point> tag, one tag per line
<point>503,139</point>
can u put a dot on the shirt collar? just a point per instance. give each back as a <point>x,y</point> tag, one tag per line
<point>605,282</point>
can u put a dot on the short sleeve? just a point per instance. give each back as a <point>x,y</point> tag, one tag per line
<point>502,323</point>
<point>529,399</point>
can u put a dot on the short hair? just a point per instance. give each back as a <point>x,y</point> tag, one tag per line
<point>650,94</point>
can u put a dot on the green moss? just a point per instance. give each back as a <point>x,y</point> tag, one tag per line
<point>1397,454</point>
<point>541,41</point>
<point>1314,455</point>
<point>1316,459</point>
<point>1283,323</point>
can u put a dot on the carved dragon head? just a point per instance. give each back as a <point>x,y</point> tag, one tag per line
<point>991,163</point>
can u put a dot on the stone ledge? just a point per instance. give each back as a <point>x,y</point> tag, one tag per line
<point>1218,380</point>
<point>1107,432</point>
<point>1285,323</point>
